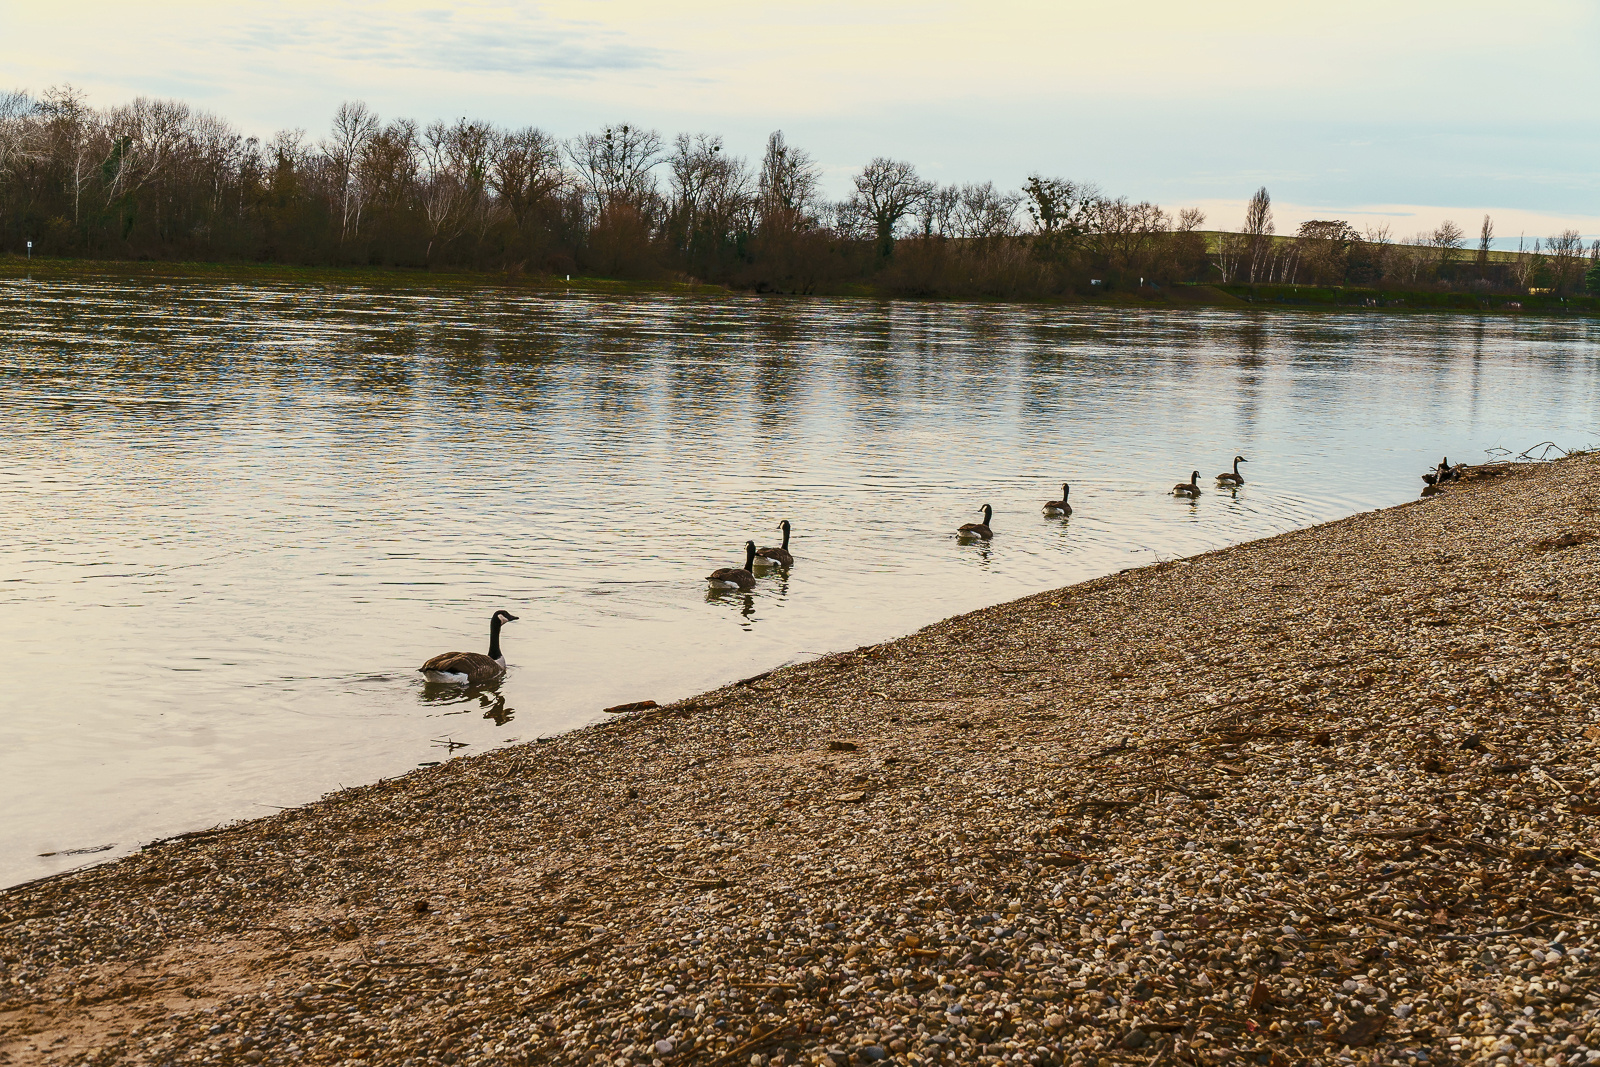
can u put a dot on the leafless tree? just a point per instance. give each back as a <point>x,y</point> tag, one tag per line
<point>787,188</point>
<point>936,213</point>
<point>617,165</point>
<point>1258,228</point>
<point>1061,209</point>
<point>527,171</point>
<point>1485,238</point>
<point>887,191</point>
<point>1321,250</point>
<point>711,195</point>
<point>354,125</point>
<point>1565,251</point>
<point>982,211</point>
<point>17,132</point>
<point>1446,240</point>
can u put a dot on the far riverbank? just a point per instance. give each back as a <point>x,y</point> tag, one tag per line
<point>1234,296</point>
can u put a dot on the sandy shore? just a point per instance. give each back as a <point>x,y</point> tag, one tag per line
<point>1328,797</point>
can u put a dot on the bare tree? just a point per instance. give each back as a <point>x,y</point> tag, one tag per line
<point>1565,251</point>
<point>711,194</point>
<point>616,165</point>
<point>1258,228</point>
<point>1322,249</point>
<point>354,125</point>
<point>527,171</point>
<point>981,211</point>
<point>17,132</point>
<point>936,212</point>
<point>1446,240</point>
<point>888,190</point>
<point>787,188</point>
<point>1061,209</point>
<point>1485,237</point>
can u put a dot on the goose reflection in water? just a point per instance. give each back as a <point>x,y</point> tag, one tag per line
<point>463,701</point>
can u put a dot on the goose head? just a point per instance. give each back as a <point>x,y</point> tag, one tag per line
<point>502,616</point>
<point>988,513</point>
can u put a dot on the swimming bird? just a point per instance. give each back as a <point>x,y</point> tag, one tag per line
<point>1060,507</point>
<point>777,557</point>
<point>978,529</point>
<point>471,668</point>
<point>1226,479</point>
<point>736,577</point>
<point>1189,488</point>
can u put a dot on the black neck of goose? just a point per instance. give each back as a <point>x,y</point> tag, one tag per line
<point>786,537</point>
<point>988,513</point>
<point>749,555</point>
<point>494,637</point>
<point>1066,491</point>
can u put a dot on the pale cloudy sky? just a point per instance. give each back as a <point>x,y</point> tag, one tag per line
<point>1406,111</point>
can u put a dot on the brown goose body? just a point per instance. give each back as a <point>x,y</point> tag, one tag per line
<point>471,668</point>
<point>1060,507</point>
<point>736,577</point>
<point>1188,488</point>
<point>1233,477</point>
<point>777,557</point>
<point>979,530</point>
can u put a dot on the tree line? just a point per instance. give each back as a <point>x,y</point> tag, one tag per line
<point>158,179</point>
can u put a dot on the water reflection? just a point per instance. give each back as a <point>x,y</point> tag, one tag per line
<point>232,481</point>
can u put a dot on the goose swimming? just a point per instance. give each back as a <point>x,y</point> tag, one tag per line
<point>1060,507</point>
<point>724,578</point>
<point>471,668</point>
<point>1233,478</point>
<point>1190,488</point>
<point>777,557</point>
<point>979,530</point>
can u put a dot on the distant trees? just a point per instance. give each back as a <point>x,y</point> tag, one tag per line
<point>1258,230</point>
<point>158,178</point>
<point>887,191</point>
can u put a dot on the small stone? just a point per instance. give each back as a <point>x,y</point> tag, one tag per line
<point>664,1047</point>
<point>873,1053</point>
<point>1135,1038</point>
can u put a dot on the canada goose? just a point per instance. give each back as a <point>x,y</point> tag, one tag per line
<point>978,529</point>
<point>1189,488</point>
<point>736,577</point>
<point>1235,478</point>
<point>1060,507</point>
<point>471,668</point>
<point>777,557</point>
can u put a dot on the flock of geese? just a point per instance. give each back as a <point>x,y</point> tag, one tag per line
<point>475,668</point>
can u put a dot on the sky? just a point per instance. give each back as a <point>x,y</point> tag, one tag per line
<point>1400,112</point>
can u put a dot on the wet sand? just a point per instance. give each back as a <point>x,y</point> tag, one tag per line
<point>1326,797</point>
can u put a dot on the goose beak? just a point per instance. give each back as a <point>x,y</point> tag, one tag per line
<point>510,617</point>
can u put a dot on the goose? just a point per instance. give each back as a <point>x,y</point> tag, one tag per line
<point>777,557</point>
<point>471,668</point>
<point>978,529</point>
<point>1189,488</point>
<point>1226,479</point>
<point>736,577</point>
<point>1060,507</point>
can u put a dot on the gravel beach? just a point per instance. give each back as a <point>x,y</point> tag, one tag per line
<point>1329,797</point>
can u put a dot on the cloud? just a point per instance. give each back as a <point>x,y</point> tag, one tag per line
<point>470,39</point>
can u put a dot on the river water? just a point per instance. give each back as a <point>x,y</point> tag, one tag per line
<point>238,517</point>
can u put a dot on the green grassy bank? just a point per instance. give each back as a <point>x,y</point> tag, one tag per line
<point>1184,295</point>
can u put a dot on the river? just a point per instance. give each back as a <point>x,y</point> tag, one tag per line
<point>239,516</point>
